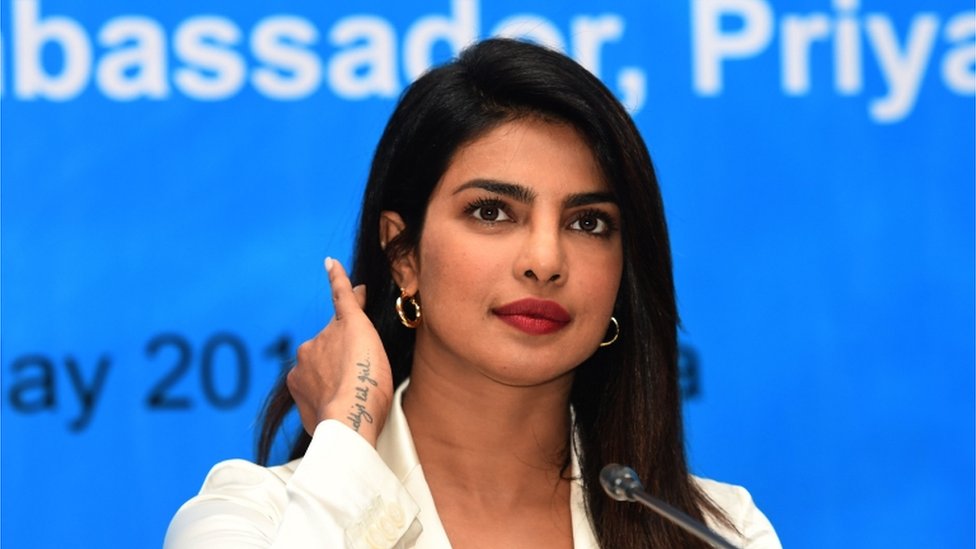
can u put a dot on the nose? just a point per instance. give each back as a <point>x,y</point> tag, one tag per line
<point>542,258</point>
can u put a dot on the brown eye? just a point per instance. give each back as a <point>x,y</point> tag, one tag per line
<point>588,223</point>
<point>488,213</point>
<point>592,224</point>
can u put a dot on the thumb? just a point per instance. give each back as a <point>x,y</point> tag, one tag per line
<point>343,299</point>
<point>360,293</point>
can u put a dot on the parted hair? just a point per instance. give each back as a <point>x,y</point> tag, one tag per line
<point>626,397</point>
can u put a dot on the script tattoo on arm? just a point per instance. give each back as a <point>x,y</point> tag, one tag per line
<point>358,412</point>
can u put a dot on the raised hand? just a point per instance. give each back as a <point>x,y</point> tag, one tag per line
<point>343,373</point>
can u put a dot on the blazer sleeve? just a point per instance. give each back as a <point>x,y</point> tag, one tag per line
<point>341,494</point>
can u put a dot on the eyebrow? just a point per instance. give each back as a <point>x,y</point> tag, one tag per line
<point>585,199</point>
<point>512,190</point>
<point>526,195</point>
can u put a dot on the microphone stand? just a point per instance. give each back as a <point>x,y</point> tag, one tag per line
<point>622,484</point>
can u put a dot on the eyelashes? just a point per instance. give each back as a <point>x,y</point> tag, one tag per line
<point>488,210</point>
<point>591,221</point>
<point>594,222</point>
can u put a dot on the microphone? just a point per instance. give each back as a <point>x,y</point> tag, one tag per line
<point>622,484</point>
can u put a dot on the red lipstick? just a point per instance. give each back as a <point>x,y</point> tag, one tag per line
<point>533,316</point>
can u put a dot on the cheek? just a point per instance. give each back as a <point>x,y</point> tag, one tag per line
<point>600,273</point>
<point>604,287</point>
<point>453,270</point>
<point>615,275</point>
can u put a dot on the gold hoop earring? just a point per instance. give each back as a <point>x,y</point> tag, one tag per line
<point>616,333</point>
<point>404,319</point>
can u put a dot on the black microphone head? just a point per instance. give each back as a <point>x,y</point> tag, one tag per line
<point>619,482</point>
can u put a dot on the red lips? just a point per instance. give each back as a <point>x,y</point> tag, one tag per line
<point>534,316</point>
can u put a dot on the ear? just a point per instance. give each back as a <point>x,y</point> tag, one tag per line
<point>403,266</point>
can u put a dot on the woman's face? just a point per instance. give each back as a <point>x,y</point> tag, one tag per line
<point>520,257</point>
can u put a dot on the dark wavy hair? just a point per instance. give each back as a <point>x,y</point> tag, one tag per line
<point>626,396</point>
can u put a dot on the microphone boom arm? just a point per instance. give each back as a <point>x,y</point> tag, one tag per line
<point>622,484</point>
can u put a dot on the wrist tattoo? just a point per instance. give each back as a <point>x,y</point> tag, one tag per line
<point>358,413</point>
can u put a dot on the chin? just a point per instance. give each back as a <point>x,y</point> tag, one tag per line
<point>529,376</point>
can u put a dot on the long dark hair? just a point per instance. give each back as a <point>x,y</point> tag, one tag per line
<point>626,396</point>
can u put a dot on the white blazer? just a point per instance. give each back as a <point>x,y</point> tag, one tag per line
<point>345,493</point>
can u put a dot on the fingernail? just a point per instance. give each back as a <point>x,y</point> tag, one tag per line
<point>328,263</point>
<point>358,288</point>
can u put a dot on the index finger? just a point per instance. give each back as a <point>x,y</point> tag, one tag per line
<point>343,298</point>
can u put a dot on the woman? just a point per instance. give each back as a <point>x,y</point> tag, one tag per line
<point>513,331</point>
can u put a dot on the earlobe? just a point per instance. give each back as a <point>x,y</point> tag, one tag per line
<point>402,262</point>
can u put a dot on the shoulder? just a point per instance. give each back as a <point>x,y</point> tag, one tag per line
<point>313,501</point>
<point>239,474</point>
<point>234,491</point>
<point>754,529</point>
<point>731,498</point>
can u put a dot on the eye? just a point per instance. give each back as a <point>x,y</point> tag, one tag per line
<point>595,222</point>
<point>490,211</point>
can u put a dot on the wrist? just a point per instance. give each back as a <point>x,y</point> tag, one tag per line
<point>361,417</point>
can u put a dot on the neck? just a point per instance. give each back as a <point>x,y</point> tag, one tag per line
<point>483,436</point>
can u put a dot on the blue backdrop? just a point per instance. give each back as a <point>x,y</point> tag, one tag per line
<point>173,174</point>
